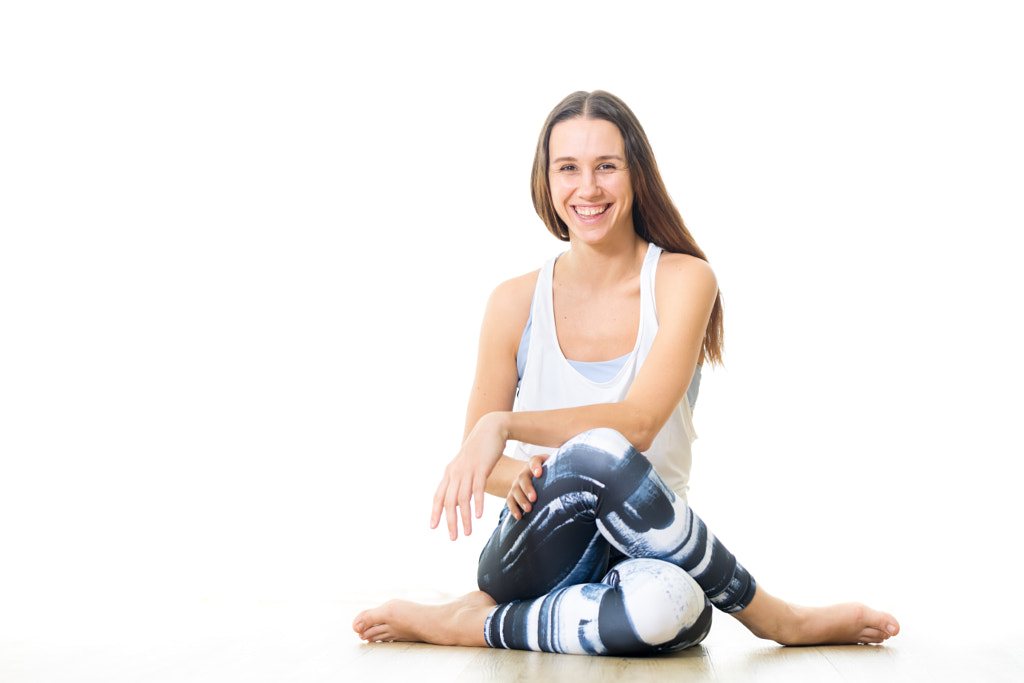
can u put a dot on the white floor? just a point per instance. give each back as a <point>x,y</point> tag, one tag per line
<point>311,641</point>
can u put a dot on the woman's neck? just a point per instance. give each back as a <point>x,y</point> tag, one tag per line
<point>599,266</point>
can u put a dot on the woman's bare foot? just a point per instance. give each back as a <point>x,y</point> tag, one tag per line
<point>851,622</point>
<point>460,622</point>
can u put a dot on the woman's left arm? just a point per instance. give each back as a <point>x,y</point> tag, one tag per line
<point>685,292</point>
<point>685,295</point>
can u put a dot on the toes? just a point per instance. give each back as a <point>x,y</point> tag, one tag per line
<point>886,623</point>
<point>376,634</point>
<point>873,635</point>
<point>363,621</point>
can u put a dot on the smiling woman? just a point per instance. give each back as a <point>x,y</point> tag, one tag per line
<point>655,218</point>
<point>584,373</point>
<point>590,184</point>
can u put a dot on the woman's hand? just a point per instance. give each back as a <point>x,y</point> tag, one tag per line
<point>465,477</point>
<point>522,494</point>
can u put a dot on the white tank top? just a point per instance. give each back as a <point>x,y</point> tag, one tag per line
<point>550,382</point>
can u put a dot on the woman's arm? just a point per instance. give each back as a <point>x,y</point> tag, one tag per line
<point>494,384</point>
<point>685,294</point>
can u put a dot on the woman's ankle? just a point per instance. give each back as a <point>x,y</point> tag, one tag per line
<point>769,617</point>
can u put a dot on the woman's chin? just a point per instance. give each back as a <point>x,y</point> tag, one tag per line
<point>595,236</point>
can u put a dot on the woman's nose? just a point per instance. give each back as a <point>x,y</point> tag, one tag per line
<point>588,184</point>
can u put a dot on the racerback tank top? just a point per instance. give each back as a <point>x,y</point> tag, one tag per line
<point>550,382</point>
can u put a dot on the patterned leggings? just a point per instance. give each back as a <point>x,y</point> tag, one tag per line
<point>609,561</point>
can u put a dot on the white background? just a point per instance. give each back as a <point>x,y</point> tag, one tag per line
<point>246,247</point>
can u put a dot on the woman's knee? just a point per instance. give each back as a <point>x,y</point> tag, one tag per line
<point>664,606</point>
<point>602,439</point>
<point>597,453</point>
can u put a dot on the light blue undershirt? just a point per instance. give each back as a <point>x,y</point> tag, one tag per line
<point>596,371</point>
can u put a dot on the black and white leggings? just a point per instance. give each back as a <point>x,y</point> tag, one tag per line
<point>609,560</point>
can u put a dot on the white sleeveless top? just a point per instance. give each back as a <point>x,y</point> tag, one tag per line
<point>550,382</point>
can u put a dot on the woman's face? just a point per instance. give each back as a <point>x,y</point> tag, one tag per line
<point>590,184</point>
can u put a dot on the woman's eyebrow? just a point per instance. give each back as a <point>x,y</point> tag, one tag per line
<point>603,157</point>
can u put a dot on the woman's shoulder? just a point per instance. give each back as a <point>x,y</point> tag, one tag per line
<point>508,308</point>
<point>515,293</point>
<point>685,271</point>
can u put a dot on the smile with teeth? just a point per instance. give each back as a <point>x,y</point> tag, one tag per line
<point>588,211</point>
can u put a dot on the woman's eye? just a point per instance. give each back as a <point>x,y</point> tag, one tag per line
<point>567,168</point>
<point>606,167</point>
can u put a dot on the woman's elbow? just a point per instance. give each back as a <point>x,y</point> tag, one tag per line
<point>642,430</point>
<point>642,442</point>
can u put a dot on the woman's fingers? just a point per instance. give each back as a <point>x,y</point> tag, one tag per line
<point>537,470</point>
<point>537,465</point>
<point>466,475</point>
<point>533,470</point>
<point>445,499</point>
<point>479,490</point>
<point>461,494</point>
<point>465,493</point>
<point>522,495</point>
<point>453,498</point>
<point>438,506</point>
<point>450,513</point>
<point>526,485</point>
<point>517,506</point>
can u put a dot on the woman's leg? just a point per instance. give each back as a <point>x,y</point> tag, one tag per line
<point>460,622</point>
<point>580,510</point>
<point>598,490</point>
<point>643,607</point>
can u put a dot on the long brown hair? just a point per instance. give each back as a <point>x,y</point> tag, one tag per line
<point>655,218</point>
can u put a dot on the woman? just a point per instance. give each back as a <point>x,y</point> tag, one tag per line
<point>597,551</point>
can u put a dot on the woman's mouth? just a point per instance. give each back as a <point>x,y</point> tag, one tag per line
<point>590,211</point>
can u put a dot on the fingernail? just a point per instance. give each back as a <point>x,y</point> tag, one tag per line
<point>359,626</point>
<point>891,628</point>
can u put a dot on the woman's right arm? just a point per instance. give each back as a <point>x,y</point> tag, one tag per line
<point>494,385</point>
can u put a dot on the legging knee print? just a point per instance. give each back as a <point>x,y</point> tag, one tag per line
<point>609,561</point>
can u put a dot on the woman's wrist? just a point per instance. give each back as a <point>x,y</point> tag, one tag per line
<point>502,423</point>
